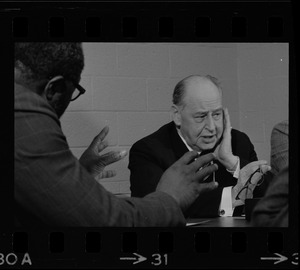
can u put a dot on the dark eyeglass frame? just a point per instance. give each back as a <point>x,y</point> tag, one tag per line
<point>248,182</point>
<point>80,89</point>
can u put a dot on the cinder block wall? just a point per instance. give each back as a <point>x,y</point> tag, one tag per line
<point>129,88</point>
<point>263,91</point>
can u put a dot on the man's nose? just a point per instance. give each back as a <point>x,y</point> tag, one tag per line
<point>210,123</point>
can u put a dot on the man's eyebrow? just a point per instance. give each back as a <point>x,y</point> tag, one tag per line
<point>201,112</point>
<point>216,110</point>
<point>206,112</point>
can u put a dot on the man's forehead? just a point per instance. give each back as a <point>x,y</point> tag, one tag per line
<point>202,89</point>
<point>198,98</point>
<point>204,107</point>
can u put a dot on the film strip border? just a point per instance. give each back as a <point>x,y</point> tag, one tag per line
<point>118,248</point>
<point>266,21</point>
<point>131,27</point>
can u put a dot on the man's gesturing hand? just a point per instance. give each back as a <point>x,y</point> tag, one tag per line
<point>223,151</point>
<point>183,179</point>
<point>94,162</point>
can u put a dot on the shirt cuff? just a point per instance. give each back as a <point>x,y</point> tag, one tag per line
<point>236,173</point>
<point>226,209</point>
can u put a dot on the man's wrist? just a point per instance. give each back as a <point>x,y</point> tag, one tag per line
<point>232,165</point>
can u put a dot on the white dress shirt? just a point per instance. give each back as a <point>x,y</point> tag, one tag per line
<point>226,206</point>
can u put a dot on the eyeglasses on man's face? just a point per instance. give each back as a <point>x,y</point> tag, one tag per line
<point>79,90</point>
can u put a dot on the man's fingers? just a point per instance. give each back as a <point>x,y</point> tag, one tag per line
<point>103,133</point>
<point>187,158</point>
<point>100,137</point>
<point>256,177</point>
<point>237,203</point>
<point>265,168</point>
<point>227,121</point>
<point>250,169</point>
<point>106,174</point>
<point>204,172</point>
<point>112,157</point>
<point>253,166</point>
<point>202,161</point>
<point>258,163</point>
<point>207,186</point>
<point>101,146</point>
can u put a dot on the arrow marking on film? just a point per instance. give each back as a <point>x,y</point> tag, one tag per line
<point>137,259</point>
<point>279,259</point>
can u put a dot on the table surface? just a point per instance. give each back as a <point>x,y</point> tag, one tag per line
<point>218,222</point>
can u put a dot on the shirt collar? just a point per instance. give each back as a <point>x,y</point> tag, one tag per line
<point>184,141</point>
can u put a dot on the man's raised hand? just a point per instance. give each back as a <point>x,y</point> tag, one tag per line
<point>182,180</point>
<point>94,162</point>
<point>223,151</point>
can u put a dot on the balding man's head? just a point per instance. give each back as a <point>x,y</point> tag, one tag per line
<point>196,82</point>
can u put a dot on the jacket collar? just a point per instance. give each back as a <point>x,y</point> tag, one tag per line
<point>177,144</point>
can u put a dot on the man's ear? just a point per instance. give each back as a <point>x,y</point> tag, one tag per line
<point>55,88</point>
<point>176,115</point>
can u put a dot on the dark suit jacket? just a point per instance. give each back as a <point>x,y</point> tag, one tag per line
<point>152,155</point>
<point>51,188</point>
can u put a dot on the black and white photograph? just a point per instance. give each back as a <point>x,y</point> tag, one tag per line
<point>151,134</point>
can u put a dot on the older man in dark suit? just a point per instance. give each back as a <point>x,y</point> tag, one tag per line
<point>199,123</point>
